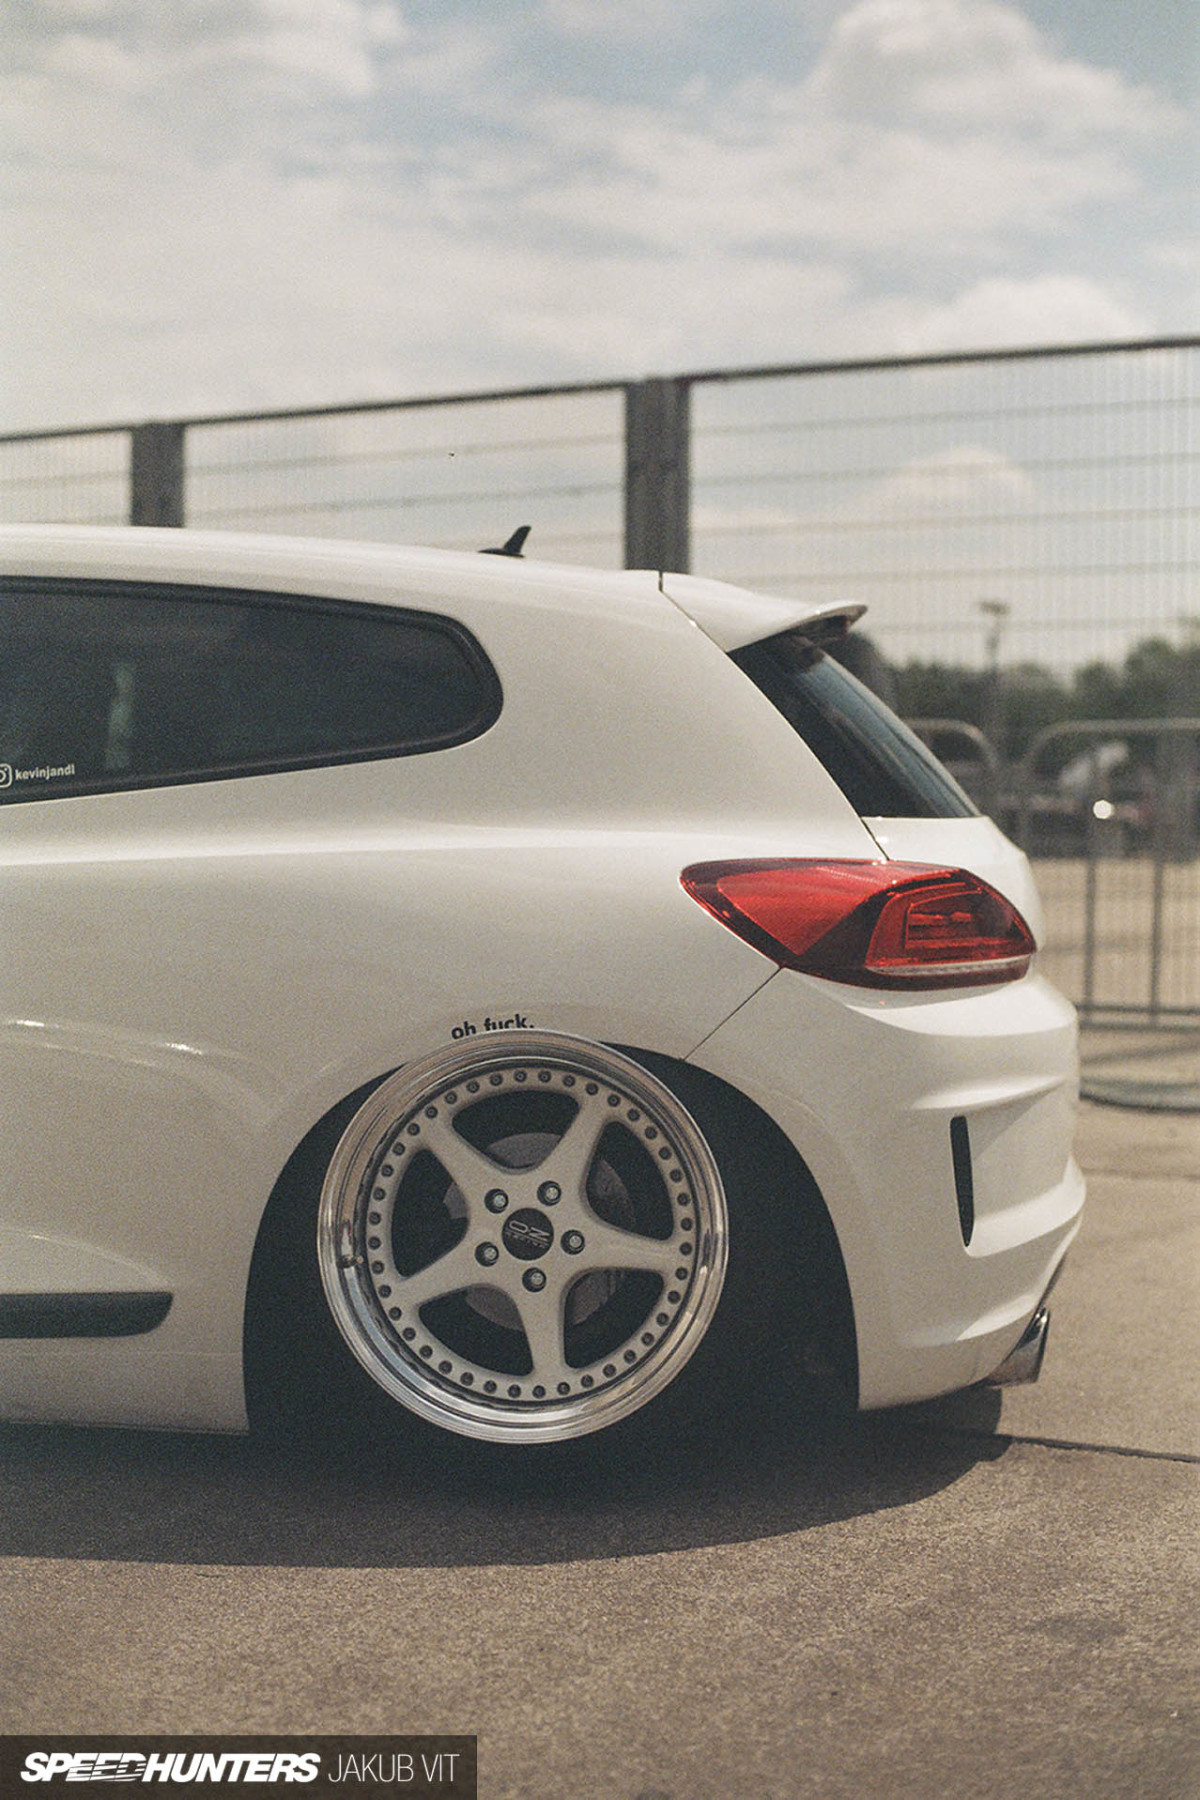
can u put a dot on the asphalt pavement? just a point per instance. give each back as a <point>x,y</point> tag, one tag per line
<point>988,1597</point>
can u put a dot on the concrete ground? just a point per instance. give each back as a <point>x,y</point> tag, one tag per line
<point>1151,1068</point>
<point>980,1599</point>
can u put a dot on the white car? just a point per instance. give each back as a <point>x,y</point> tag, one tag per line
<point>498,997</point>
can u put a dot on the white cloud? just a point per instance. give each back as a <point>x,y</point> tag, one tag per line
<point>80,9</point>
<point>279,201</point>
<point>99,62</point>
<point>1046,309</point>
<point>962,478</point>
<point>969,63</point>
<point>940,123</point>
<point>622,19</point>
<point>318,44</point>
<point>673,186</point>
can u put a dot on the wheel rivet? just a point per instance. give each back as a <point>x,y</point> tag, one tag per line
<point>549,1193</point>
<point>487,1254</point>
<point>495,1200</point>
<point>534,1280</point>
<point>572,1242</point>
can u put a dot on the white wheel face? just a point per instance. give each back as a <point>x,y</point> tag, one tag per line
<point>523,1240</point>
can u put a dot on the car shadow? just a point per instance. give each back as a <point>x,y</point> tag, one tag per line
<point>108,1495</point>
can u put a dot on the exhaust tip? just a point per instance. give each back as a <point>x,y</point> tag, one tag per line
<point>1024,1364</point>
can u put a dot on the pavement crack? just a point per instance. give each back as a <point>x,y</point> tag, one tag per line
<point>1055,1443</point>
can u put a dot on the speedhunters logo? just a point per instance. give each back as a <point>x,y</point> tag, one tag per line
<point>423,1768</point>
<point>172,1765</point>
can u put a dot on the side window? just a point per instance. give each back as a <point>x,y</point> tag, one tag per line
<point>106,686</point>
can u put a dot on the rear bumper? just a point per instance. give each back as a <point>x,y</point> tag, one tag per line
<point>867,1088</point>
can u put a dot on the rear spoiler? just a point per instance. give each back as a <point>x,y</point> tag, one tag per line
<point>829,625</point>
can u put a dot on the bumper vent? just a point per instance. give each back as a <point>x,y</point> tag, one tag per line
<point>964,1179</point>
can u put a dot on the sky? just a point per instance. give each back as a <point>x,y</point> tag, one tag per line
<point>222,205</point>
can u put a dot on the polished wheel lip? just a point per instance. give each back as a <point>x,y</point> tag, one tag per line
<point>352,1274</point>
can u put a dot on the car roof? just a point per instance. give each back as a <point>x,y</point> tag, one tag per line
<point>731,616</point>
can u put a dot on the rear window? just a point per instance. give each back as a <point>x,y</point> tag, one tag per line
<point>883,769</point>
<point>107,685</point>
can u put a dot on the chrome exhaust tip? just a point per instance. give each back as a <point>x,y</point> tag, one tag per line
<point>1025,1362</point>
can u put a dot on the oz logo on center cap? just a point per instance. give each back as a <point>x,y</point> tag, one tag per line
<point>527,1234</point>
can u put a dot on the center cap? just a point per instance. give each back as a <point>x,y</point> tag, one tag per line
<point>527,1234</point>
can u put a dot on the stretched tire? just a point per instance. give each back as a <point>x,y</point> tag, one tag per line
<point>526,1240</point>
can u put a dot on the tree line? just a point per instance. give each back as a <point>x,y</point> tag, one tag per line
<point>1156,680</point>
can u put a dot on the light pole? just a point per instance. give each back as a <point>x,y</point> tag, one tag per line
<point>996,614</point>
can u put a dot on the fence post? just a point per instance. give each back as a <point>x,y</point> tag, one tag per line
<point>657,474</point>
<point>156,474</point>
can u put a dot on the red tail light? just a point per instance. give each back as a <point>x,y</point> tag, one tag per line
<point>875,924</point>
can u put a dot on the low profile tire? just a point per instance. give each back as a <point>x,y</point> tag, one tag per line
<point>523,1241</point>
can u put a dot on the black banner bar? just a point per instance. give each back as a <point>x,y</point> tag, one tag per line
<point>272,1768</point>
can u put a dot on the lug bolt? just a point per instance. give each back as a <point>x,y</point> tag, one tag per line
<point>534,1280</point>
<point>549,1193</point>
<point>495,1200</point>
<point>487,1254</point>
<point>572,1242</point>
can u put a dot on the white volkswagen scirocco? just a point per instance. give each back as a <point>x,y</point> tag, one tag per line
<point>525,1001</point>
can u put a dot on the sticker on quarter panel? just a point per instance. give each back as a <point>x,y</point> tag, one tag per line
<point>469,1028</point>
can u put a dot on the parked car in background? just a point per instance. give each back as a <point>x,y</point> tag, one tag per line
<point>471,994</point>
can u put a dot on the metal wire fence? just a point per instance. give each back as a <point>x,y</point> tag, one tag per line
<point>1051,498</point>
<point>72,478</point>
<point>456,475</point>
<point>1028,507</point>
